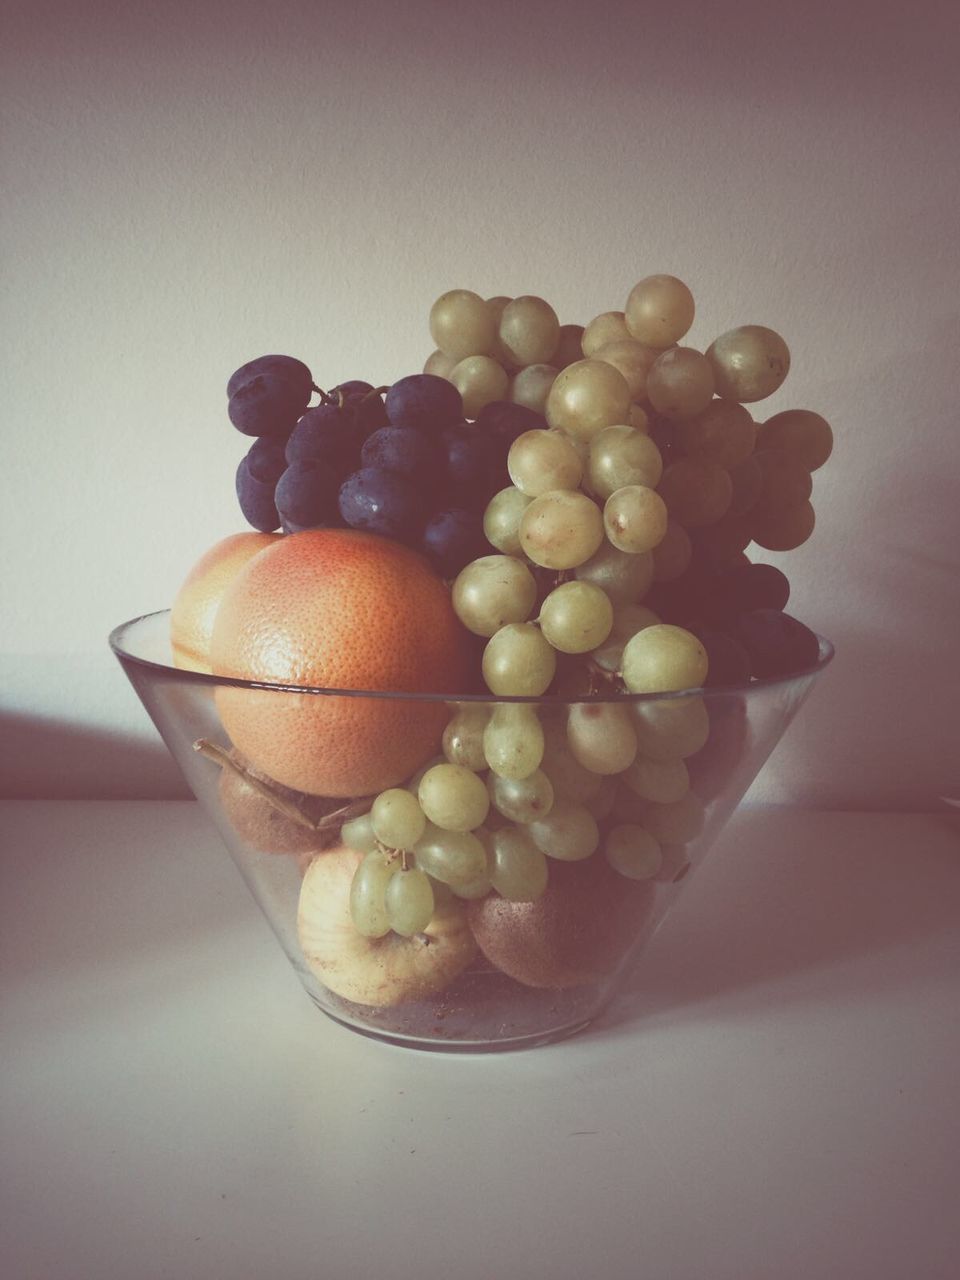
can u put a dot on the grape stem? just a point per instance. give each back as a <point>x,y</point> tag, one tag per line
<point>600,677</point>
<point>289,809</point>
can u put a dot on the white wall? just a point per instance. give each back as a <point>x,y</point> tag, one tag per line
<point>182,193</point>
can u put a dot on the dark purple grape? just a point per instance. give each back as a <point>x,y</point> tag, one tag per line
<point>473,469</point>
<point>747,481</point>
<point>404,450</point>
<point>664,433</point>
<point>423,400</point>
<point>326,433</point>
<point>267,405</point>
<point>728,661</point>
<point>307,496</point>
<point>720,545</point>
<point>294,371</point>
<point>364,403</point>
<point>757,586</point>
<point>383,502</point>
<point>368,412</point>
<point>266,460</point>
<point>452,539</point>
<point>777,644</point>
<point>692,600</point>
<point>354,387</point>
<point>504,421</point>
<point>255,494</point>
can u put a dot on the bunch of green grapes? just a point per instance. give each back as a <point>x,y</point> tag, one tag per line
<point>647,457</point>
<point>499,348</point>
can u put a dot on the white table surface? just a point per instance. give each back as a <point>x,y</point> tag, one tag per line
<point>779,1098</point>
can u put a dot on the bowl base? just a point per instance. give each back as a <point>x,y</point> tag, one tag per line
<point>484,1011</point>
<point>438,1044</point>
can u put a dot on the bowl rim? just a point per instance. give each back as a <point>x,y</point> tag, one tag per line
<point>205,679</point>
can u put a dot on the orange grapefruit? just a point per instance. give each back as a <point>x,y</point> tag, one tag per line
<point>337,609</point>
<point>197,601</point>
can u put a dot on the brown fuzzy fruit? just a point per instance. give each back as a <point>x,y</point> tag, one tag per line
<point>576,933</point>
<point>263,826</point>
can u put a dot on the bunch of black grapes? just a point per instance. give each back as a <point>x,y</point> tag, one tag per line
<point>404,464</point>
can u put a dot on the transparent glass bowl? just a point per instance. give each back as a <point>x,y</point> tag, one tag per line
<point>488,973</point>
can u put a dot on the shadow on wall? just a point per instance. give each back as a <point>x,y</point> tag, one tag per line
<point>43,758</point>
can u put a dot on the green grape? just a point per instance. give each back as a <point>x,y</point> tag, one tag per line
<point>358,834</point>
<point>586,397</point>
<point>492,591</point>
<point>501,520</point>
<point>672,555</point>
<point>680,384</point>
<point>749,363</point>
<point>619,456</point>
<point>632,359</point>
<point>633,852</point>
<point>521,799</point>
<point>696,492</point>
<point>518,662</point>
<point>414,782</point>
<point>671,728</point>
<point>601,736</point>
<point>601,805</point>
<point>628,619</point>
<point>569,832</point>
<point>456,858</point>
<point>539,461</point>
<point>519,869</point>
<point>529,330</point>
<point>409,901</point>
<point>463,736</point>
<point>439,364</point>
<point>567,775</point>
<point>397,818</point>
<point>480,380</point>
<point>638,419</point>
<point>461,324</point>
<point>659,311</point>
<point>802,434</point>
<point>662,659</point>
<point>635,519</point>
<point>368,888</point>
<point>783,529</point>
<point>576,617</point>
<point>723,433</point>
<point>609,326</point>
<point>499,352</point>
<point>513,740</point>
<point>453,797</point>
<point>569,348</point>
<point>531,386</point>
<point>677,822</point>
<point>625,577</point>
<point>561,529</point>
<point>475,889</point>
<point>661,780</point>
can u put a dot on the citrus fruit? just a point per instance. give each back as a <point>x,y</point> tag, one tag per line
<point>337,609</point>
<point>197,601</point>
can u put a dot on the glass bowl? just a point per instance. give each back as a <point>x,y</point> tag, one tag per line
<point>487,972</point>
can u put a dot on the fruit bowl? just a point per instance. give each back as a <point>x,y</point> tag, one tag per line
<point>540,903</point>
